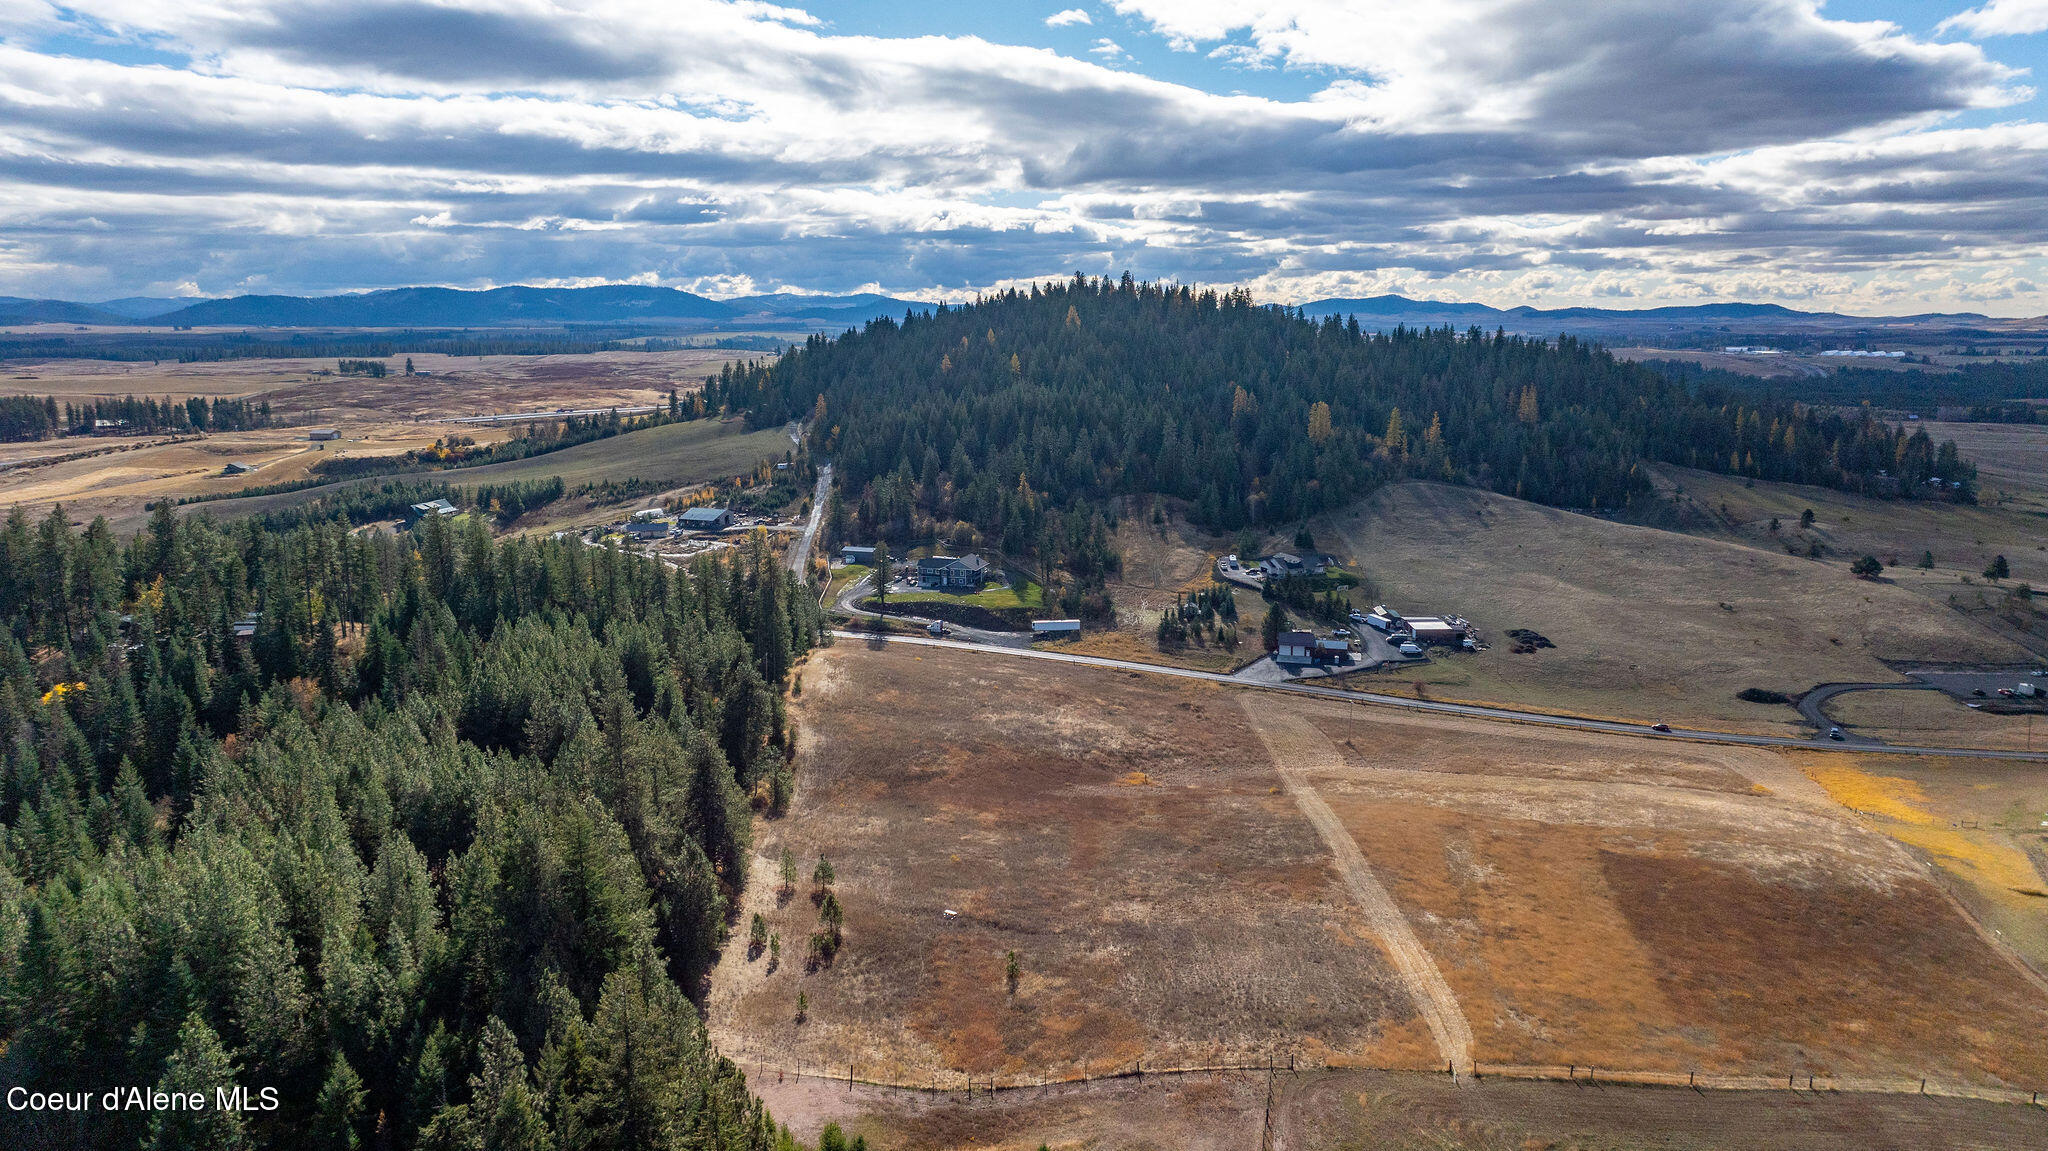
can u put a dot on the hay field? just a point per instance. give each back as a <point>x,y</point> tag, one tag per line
<point>1649,624</point>
<point>1591,906</point>
<point>1587,899</point>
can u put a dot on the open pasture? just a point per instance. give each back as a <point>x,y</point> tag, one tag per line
<point>1161,858</point>
<point>1649,624</point>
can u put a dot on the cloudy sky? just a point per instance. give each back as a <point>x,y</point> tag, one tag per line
<point>1868,155</point>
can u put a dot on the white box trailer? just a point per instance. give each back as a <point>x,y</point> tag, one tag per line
<point>1434,629</point>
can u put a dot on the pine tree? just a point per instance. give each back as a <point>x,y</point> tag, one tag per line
<point>338,1112</point>
<point>202,1065</point>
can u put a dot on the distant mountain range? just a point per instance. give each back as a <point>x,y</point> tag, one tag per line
<point>629,303</point>
<point>1401,309</point>
<point>451,307</point>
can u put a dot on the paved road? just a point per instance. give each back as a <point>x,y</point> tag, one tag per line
<point>800,555</point>
<point>1470,710</point>
<point>1812,706</point>
<point>849,603</point>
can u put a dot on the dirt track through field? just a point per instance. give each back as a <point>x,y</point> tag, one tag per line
<point>1294,744</point>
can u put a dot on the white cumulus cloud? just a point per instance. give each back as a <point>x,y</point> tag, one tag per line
<point>1066,16</point>
<point>1503,150</point>
<point>2001,18</point>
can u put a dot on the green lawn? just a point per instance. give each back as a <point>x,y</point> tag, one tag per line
<point>844,577</point>
<point>995,597</point>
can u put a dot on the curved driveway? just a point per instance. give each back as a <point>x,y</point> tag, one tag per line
<point>1469,710</point>
<point>1812,705</point>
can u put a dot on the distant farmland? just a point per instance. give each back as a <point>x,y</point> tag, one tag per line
<point>694,452</point>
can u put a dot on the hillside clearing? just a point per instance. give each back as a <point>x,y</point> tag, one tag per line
<point>1649,624</point>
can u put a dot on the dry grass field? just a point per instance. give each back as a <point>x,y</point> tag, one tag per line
<point>2010,458</point>
<point>1148,849</point>
<point>375,417</point>
<point>457,385</point>
<point>1963,539</point>
<point>1125,836</point>
<point>692,452</point>
<point>1649,624</point>
<point>1588,899</point>
<point>1984,825</point>
<point>1396,1111</point>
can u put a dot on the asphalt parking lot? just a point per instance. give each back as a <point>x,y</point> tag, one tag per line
<point>1964,684</point>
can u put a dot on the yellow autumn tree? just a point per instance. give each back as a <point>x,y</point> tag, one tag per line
<point>1397,433</point>
<point>1243,405</point>
<point>1526,411</point>
<point>1073,317</point>
<point>1433,438</point>
<point>1319,429</point>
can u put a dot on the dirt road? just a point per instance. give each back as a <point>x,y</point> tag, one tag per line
<point>800,555</point>
<point>1294,745</point>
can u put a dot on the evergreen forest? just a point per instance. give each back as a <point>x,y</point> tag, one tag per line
<point>437,854</point>
<point>1023,414</point>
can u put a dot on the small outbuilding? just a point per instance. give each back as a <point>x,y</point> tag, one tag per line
<point>644,530</point>
<point>237,469</point>
<point>324,434</point>
<point>650,514</point>
<point>707,519</point>
<point>857,555</point>
<point>1046,627</point>
<point>1296,647</point>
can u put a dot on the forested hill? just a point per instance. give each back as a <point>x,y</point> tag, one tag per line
<point>437,854</point>
<point>1065,394</point>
